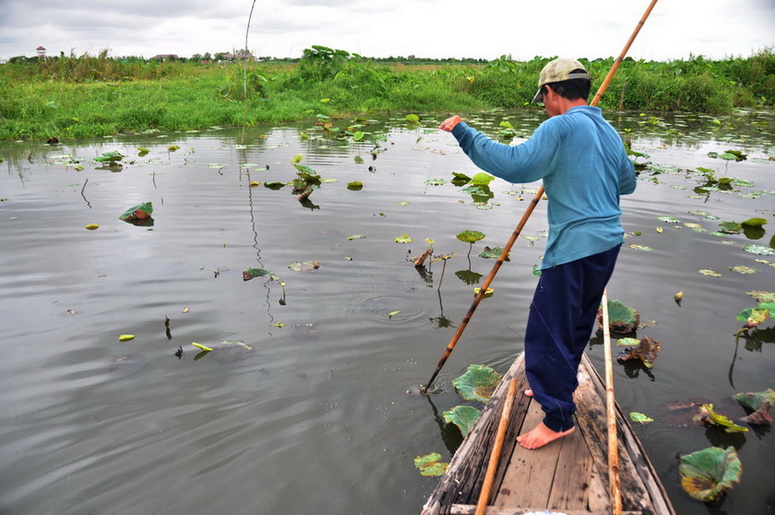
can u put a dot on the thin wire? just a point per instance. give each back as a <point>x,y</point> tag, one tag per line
<point>245,77</point>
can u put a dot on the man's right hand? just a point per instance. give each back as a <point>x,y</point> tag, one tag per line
<point>450,123</point>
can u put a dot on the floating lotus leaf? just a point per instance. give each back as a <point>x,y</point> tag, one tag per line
<point>755,316</point>
<point>759,249</point>
<point>356,237</point>
<point>762,296</point>
<point>252,273</point>
<point>92,227</point>
<point>412,118</point>
<point>430,465</point>
<point>110,157</point>
<point>645,350</point>
<point>404,238</point>
<point>139,212</point>
<point>707,474</point>
<point>754,222</point>
<point>355,186</point>
<point>436,182</point>
<point>640,417</point>
<point>305,266</point>
<point>464,417</point>
<point>470,236</point>
<point>482,178</point>
<point>622,319</point>
<point>707,416</point>
<point>627,342</point>
<point>704,214</point>
<point>669,219</point>
<point>478,383</point>
<point>492,253</point>
<point>731,227</point>
<point>745,270</point>
<point>760,403</point>
<point>755,400</point>
<point>709,272</point>
<point>635,246</point>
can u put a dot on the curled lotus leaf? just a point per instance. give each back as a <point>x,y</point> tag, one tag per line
<point>622,319</point>
<point>707,474</point>
<point>754,222</point>
<point>464,417</point>
<point>645,350</point>
<point>470,236</point>
<point>755,400</point>
<point>478,383</point>
<point>139,212</point>
<point>707,416</point>
<point>252,273</point>
<point>430,464</point>
<point>404,238</point>
<point>482,178</point>
<point>493,253</point>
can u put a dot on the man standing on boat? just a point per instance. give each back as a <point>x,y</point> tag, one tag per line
<point>584,167</point>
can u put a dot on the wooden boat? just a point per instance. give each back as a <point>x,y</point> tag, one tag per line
<point>569,475</point>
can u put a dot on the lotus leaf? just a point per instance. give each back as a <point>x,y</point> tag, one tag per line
<point>436,182</point>
<point>707,416</point>
<point>622,319</point>
<point>139,212</point>
<point>731,227</point>
<point>646,350</point>
<point>305,266</point>
<point>126,337</point>
<point>640,247</point>
<point>640,417</point>
<point>355,237</point>
<point>756,400</point>
<point>412,118</point>
<point>754,222</point>
<point>110,157</point>
<point>492,253</point>
<point>707,474</point>
<point>430,465</point>
<point>669,219</point>
<point>478,383</point>
<point>404,238</point>
<point>92,227</point>
<point>627,342</point>
<point>355,186</point>
<point>251,273</point>
<point>482,178</point>
<point>464,417</point>
<point>755,316</point>
<point>745,270</point>
<point>470,236</point>
<point>709,272</point>
<point>759,249</point>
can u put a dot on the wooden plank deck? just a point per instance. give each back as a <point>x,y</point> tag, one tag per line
<point>569,475</point>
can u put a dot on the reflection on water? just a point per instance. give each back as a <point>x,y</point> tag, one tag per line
<point>320,394</point>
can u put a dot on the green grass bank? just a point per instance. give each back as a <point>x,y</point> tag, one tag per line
<point>78,97</point>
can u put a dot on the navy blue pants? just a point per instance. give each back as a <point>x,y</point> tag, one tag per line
<point>562,316</point>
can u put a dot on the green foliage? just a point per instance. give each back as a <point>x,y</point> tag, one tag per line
<point>706,474</point>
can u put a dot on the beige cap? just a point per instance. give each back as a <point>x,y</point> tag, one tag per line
<point>558,71</point>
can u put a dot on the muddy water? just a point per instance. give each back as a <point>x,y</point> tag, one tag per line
<point>315,416</point>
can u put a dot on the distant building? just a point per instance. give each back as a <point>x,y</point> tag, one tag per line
<point>164,57</point>
<point>41,52</point>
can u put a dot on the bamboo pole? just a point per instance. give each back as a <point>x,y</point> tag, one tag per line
<point>613,450</point>
<point>529,211</point>
<point>492,466</point>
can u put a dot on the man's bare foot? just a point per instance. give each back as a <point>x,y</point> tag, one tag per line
<point>541,435</point>
<point>528,393</point>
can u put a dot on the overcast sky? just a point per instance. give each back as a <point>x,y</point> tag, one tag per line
<point>424,28</point>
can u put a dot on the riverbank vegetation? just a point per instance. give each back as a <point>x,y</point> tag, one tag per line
<point>70,97</point>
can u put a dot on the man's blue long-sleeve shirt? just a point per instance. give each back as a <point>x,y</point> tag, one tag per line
<point>584,167</point>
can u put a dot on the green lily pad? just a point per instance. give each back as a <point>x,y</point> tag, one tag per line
<point>139,212</point>
<point>640,417</point>
<point>355,186</point>
<point>622,319</point>
<point>760,250</point>
<point>430,464</point>
<point>492,253</point>
<point>470,236</point>
<point>478,383</point>
<point>464,417</point>
<point>707,474</point>
<point>707,416</point>
<point>731,227</point>
<point>754,222</point>
<point>306,266</point>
